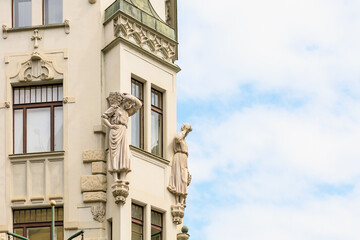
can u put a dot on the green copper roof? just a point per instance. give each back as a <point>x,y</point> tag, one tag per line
<point>142,11</point>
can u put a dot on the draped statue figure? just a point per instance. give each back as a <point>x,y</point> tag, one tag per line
<point>180,177</point>
<point>122,106</point>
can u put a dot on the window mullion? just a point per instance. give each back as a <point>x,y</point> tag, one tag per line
<point>52,128</point>
<point>24,129</point>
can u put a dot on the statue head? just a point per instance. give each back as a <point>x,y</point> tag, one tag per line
<point>115,98</point>
<point>186,127</point>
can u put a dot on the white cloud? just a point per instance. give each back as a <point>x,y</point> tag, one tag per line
<point>294,45</point>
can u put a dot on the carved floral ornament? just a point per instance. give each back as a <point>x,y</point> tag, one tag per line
<point>37,68</point>
<point>145,38</point>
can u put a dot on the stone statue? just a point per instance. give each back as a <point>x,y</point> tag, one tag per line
<point>180,177</point>
<point>122,106</point>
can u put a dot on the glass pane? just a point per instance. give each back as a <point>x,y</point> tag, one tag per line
<point>48,214</point>
<point>33,95</point>
<point>38,215</point>
<point>43,94</point>
<point>38,130</point>
<point>136,236</point>
<point>33,216</point>
<point>155,234</point>
<point>156,135</point>
<point>38,94</point>
<point>27,95</point>
<point>19,231</point>
<point>60,97</point>
<point>60,215</point>
<point>22,13</point>
<point>49,93</point>
<point>27,216</point>
<point>16,96</point>
<point>136,89</point>
<point>136,129</point>
<point>55,93</point>
<point>18,131</point>
<point>22,216</point>
<point>22,95</point>
<point>53,11</point>
<point>156,98</point>
<point>136,228</point>
<point>16,216</point>
<point>59,233</point>
<point>156,218</point>
<point>136,212</point>
<point>58,128</point>
<point>39,233</point>
<point>43,215</point>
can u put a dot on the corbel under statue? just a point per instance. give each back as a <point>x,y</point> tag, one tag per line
<point>116,118</point>
<point>180,177</point>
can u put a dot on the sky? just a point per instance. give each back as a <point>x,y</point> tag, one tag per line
<point>272,91</point>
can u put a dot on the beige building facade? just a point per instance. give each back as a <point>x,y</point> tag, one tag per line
<point>61,60</point>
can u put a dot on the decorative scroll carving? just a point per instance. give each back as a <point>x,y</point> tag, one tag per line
<point>145,38</point>
<point>5,31</point>
<point>37,68</point>
<point>99,212</point>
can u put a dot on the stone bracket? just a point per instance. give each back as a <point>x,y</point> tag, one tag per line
<point>120,191</point>
<point>177,211</point>
<point>4,105</point>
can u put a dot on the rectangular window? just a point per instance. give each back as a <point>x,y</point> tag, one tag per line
<point>38,114</point>
<point>21,13</point>
<point>156,123</point>
<point>156,225</point>
<point>35,224</point>
<point>137,222</point>
<point>53,11</point>
<point>137,120</point>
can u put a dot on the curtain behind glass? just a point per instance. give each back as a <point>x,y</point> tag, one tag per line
<point>156,138</point>
<point>53,11</point>
<point>22,13</point>
<point>38,130</point>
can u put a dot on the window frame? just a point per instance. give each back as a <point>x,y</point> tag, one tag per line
<point>138,221</point>
<point>25,226</point>
<point>25,106</point>
<point>43,13</point>
<point>160,228</point>
<point>160,112</point>
<point>13,15</point>
<point>142,135</point>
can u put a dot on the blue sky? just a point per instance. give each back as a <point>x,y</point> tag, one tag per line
<point>272,90</point>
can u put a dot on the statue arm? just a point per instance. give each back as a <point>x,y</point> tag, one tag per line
<point>137,105</point>
<point>105,117</point>
<point>179,136</point>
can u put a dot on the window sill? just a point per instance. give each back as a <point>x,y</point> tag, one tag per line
<point>39,154</point>
<point>153,156</point>
<point>65,25</point>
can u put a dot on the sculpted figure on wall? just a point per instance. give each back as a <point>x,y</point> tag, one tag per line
<point>122,106</point>
<point>180,176</point>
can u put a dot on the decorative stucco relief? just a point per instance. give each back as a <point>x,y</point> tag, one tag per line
<point>98,212</point>
<point>145,38</point>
